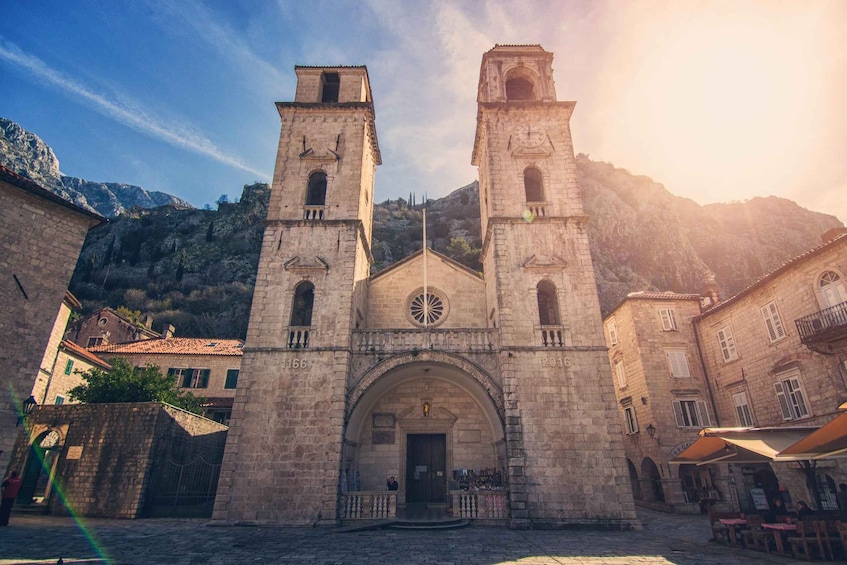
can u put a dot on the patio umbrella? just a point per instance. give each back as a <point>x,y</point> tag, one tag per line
<point>742,445</point>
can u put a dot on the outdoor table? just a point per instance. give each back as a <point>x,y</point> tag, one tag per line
<point>732,523</point>
<point>779,530</point>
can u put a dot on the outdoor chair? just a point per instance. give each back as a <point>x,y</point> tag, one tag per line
<point>806,543</point>
<point>831,539</point>
<point>754,536</point>
<point>720,532</point>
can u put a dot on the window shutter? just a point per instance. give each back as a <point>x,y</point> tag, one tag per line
<point>613,333</point>
<point>793,387</point>
<point>772,321</point>
<point>677,412</point>
<point>783,401</point>
<point>668,319</point>
<point>204,378</point>
<point>703,414</point>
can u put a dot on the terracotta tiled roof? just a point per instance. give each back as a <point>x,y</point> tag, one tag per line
<point>82,353</point>
<point>175,345</point>
<point>666,295</point>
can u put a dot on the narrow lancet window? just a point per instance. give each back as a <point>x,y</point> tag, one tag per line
<point>548,304</point>
<point>301,309</point>
<point>533,185</point>
<point>316,194</point>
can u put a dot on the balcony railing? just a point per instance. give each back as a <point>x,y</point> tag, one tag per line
<point>537,209</point>
<point>298,337</point>
<point>367,505</point>
<point>821,325</point>
<point>314,212</point>
<point>480,505</point>
<point>395,340</point>
<point>552,336</point>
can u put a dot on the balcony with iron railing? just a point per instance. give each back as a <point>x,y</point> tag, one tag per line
<point>819,330</point>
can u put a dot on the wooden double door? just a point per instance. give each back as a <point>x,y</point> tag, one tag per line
<point>426,468</point>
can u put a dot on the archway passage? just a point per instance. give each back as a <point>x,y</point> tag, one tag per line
<point>36,480</point>
<point>426,468</point>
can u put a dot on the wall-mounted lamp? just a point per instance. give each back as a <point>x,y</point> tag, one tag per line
<point>426,409</point>
<point>27,406</point>
<point>651,431</point>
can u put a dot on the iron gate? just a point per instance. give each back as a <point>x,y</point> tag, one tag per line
<point>185,489</point>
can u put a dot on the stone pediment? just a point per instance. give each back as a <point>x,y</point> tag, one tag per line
<point>306,264</point>
<point>545,262</point>
<point>320,155</point>
<point>531,152</point>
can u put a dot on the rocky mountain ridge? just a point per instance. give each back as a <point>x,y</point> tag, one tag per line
<point>26,154</point>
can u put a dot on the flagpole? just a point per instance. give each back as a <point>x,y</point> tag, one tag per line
<point>425,295</point>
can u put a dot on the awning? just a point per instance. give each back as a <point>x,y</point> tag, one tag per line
<point>743,445</point>
<point>829,440</point>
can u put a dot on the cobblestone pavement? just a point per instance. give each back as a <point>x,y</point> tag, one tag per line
<point>665,539</point>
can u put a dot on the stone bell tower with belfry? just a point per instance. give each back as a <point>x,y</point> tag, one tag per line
<point>283,454</point>
<point>565,456</point>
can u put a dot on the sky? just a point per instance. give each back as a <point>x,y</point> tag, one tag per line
<point>719,101</point>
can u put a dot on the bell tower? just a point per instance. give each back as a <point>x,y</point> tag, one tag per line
<point>566,461</point>
<point>283,454</point>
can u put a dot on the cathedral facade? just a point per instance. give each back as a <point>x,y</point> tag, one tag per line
<point>486,394</point>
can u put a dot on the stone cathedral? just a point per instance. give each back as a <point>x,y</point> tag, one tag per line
<point>488,395</point>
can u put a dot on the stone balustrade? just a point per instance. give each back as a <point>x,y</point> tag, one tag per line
<point>552,336</point>
<point>480,505</point>
<point>298,337</point>
<point>314,212</point>
<point>537,209</point>
<point>368,505</point>
<point>395,340</point>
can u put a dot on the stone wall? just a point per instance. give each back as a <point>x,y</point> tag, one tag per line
<point>462,293</point>
<point>109,453</point>
<point>40,240</point>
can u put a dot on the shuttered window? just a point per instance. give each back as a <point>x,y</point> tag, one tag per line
<point>792,399</point>
<point>668,319</point>
<point>629,420</point>
<point>613,333</point>
<point>678,364</point>
<point>775,330</point>
<point>727,344</point>
<point>691,414</point>
<point>742,409</point>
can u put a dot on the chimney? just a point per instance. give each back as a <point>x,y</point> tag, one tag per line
<point>168,331</point>
<point>831,234</point>
<point>709,295</point>
<point>148,322</point>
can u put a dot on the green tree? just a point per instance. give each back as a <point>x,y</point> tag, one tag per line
<point>125,383</point>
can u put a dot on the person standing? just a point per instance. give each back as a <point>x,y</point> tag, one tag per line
<point>392,483</point>
<point>11,487</point>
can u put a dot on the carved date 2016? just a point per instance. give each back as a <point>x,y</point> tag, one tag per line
<point>555,362</point>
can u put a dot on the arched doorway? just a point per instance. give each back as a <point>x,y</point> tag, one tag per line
<point>430,420</point>
<point>37,476</point>
<point>633,478</point>
<point>650,473</point>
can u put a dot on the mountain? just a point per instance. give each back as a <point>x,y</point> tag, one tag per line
<point>26,154</point>
<point>195,269</point>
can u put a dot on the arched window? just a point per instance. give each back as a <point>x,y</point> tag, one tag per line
<point>832,289</point>
<point>301,308</point>
<point>548,304</point>
<point>533,185</point>
<point>316,195</point>
<point>330,84</point>
<point>519,88</point>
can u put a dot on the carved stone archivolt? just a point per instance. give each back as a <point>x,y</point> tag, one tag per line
<point>466,366</point>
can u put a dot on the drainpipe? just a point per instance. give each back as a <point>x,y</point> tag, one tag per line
<point>705,373</point>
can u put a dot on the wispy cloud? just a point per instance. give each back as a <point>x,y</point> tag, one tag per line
<point>125,111</point>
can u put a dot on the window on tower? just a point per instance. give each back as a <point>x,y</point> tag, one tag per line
<point>519,89</point>
<point>548,304</point>
<point>316,194</point>
<point>301,309</point>
<point>330,84</point>
<point>533,185</point>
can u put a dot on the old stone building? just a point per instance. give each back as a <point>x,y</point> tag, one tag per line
<point>772,356</point>
<point>207,368</point>
<point>485,394</point>
<point>108,326</point>
<point>663,396</point>
<point>41,236</point>
<point>776,355</point>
